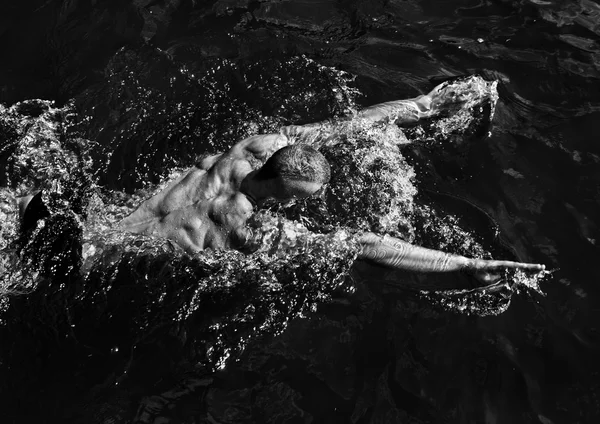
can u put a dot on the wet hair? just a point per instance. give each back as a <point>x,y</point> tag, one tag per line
<point>298,162</point>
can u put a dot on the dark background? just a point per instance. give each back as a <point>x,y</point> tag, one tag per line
<point>383,357</point>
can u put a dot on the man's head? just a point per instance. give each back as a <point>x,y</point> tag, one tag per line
<point>296,171</point>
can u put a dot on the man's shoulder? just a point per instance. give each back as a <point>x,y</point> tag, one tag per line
<point>205,162</point>
<point>259,148</point>
<point>234,202</point>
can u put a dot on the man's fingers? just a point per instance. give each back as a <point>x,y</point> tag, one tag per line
<point>534,267</point>
<point>519,265</point>
<point>491,265</point>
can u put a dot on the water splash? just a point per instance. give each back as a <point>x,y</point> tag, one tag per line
<point>36,155</point>
<point>466,108</point>
<point>151,114</point>
<point>219,298</point>
<point>85,292</point>
<point>76,258</point>
<point>371,188</point>
<point>76,261</point>
<point>493,299</point>
<point>443,231</point>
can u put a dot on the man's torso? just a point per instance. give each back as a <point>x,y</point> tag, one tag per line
<point>203,208</point>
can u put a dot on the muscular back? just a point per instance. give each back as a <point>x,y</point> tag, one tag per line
<point>204,208</point>
<point>211,223</point>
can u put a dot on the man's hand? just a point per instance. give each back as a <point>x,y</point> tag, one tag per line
<point>489,271</point>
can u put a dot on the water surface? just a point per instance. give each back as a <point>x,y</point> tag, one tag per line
<point>143,88</point>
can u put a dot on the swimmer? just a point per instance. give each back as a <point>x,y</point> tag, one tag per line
<point>208,207</point>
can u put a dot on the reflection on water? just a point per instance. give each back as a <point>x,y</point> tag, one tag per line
<point>109,326</point>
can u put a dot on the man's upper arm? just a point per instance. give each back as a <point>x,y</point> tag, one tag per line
<point>263,146</point>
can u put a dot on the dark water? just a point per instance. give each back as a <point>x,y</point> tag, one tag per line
<point>152,85</point>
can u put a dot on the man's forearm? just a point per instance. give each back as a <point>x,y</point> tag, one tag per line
<point>396,253</point>
<point>398,111</point>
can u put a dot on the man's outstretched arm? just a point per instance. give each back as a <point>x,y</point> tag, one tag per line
<point>395,253</point>
<point>320,133</point>
<point>445,97</point>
